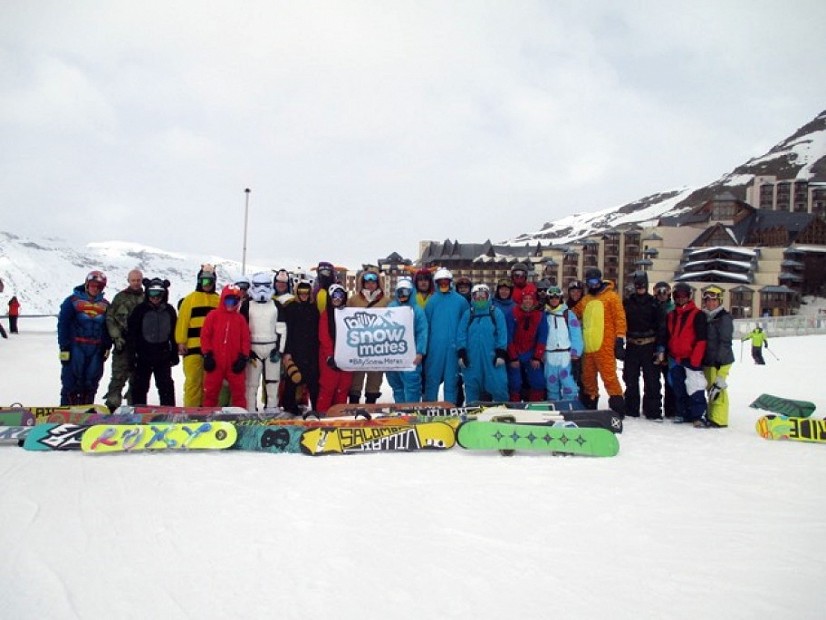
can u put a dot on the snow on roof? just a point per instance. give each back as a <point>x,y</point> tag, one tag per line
<point>724,248</point>
<point>734,263</point>
<point>718,275</point>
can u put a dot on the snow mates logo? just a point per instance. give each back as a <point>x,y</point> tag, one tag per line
<point>372,335</point>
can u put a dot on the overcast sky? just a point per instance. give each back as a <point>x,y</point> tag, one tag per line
<point>364,127</point>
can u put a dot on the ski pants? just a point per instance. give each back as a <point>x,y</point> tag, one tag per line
<point>640,359</point>
<point>525,375</point>
<point>482,376</point>
<point>193,380</point>
<point>333,387</point>
<point>559,379</point>
<point>139,382</point>
<point>669,404</point>
<point>407,385</point>
<point>600,362</point>
<point>215,379</point>
<point>442,365</point>
<point>373,383</point>
<point>718,408</point>
<point>690,407</point>
<point>80,377</point>
<point>270,372</point>
<point>122,372</point>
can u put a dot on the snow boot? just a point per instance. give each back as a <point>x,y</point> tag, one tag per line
<point>617,404</point>
<point>588,402</point>
<point>372,397</point>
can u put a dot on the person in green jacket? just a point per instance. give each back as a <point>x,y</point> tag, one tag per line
<point>758,341</point>
<point>117,317</point>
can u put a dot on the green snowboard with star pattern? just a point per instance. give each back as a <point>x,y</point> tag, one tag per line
<point>505,436</point>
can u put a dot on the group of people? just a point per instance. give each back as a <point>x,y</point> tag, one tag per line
<point>268,342</point>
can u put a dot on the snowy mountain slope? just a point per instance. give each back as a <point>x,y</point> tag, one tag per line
<point>43,272</point>
<point>800,156</point>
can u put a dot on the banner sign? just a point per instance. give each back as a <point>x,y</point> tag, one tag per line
<point>375,339</point>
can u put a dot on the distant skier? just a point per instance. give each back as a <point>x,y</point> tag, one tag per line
<point>758,341</point>
<point>83,340</point>
<point>14,313</point>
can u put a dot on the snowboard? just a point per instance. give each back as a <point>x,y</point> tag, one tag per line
<point>66,413</point>
<point>339,421</point>
<point>383,438</point>
<point>504,436</point>
<point>52,436</point>
<point>798,429</point>
<point>14,435</point>
<point>262,438</point>
<point>107,438</point>
<point>585,418</point>
<point>16,417</point>
<point>386,408</point>
<point>784,406</point>
<point>559,405</point>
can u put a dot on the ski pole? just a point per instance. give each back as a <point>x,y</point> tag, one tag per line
<point>741,350</point>
<point>772,352</point>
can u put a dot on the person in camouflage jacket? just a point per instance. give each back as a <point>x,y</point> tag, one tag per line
<point>117,317</point>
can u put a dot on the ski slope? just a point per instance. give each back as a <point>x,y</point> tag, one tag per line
<point>684,523</point>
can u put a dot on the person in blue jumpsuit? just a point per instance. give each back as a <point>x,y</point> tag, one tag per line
<point>482,340</point>
<point>444,311</point>
<point>407,385</point>
<point>83,340</point>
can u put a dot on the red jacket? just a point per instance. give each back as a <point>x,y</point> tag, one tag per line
<point>225,334</point>
<point>687,328</point>
<point>526,324</point>
<point>14,307</point>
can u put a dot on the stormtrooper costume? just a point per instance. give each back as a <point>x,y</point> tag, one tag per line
<point>269,337</point>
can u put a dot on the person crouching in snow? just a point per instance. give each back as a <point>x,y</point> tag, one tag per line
<point>333,383</point>
<point>407,385</point>
<point>563,345</point>
<point>268,337</point>
<point>481,341</point>
<point>225,343</point>
<point>527,332</point>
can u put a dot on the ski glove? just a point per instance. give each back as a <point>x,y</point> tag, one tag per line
<point>209,362</point>
<point>619,349</point>
<point>174,360</point>
<point>240,364</point>
<point>464,361</point>
<point>501,357</point>
<point>695,381</point>
<point>65,356</point>
<point>275,356</point>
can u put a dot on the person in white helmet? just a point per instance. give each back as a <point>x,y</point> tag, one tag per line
<point>407,385</point>
<point>444,311</point>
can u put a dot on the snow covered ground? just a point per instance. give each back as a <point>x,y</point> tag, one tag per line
<point>684,523</point>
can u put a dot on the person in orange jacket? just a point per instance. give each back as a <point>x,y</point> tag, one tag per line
<point>225,343</point>
<point>603,331</point>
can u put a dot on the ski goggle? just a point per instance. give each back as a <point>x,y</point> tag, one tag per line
<point>403,292</point>
<point>154,292</point>
<point>519,274</point>
<point>244,286</point>
<point>231,301</point>
<point>207,281</point>
<point>681,295</point>
<point>370,277</point>
<point>709,296</point>
<point>593,282</point>
<point>339,296</point>
<point>663,290</point>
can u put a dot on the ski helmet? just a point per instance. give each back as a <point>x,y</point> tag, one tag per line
<point>682,289</point>
<point>575,284</point>
<point>243,282</point>
<point>442,274</point>
<point>404,287</point>
<point>713,292</point>
<point>97,276</point>
<point>337,292</point>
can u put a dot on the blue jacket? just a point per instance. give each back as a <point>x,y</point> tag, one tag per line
<point>82,320</point>
<point>419,323</point>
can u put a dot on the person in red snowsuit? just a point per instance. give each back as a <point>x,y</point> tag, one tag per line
<point>225,344</point>
<point>333,383</point>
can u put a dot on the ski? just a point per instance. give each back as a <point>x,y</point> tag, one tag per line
<point>400,437</point>
<point>107,438</point>
<point>797,429</point>
<point>504,436</point>
<point>784,406</point>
